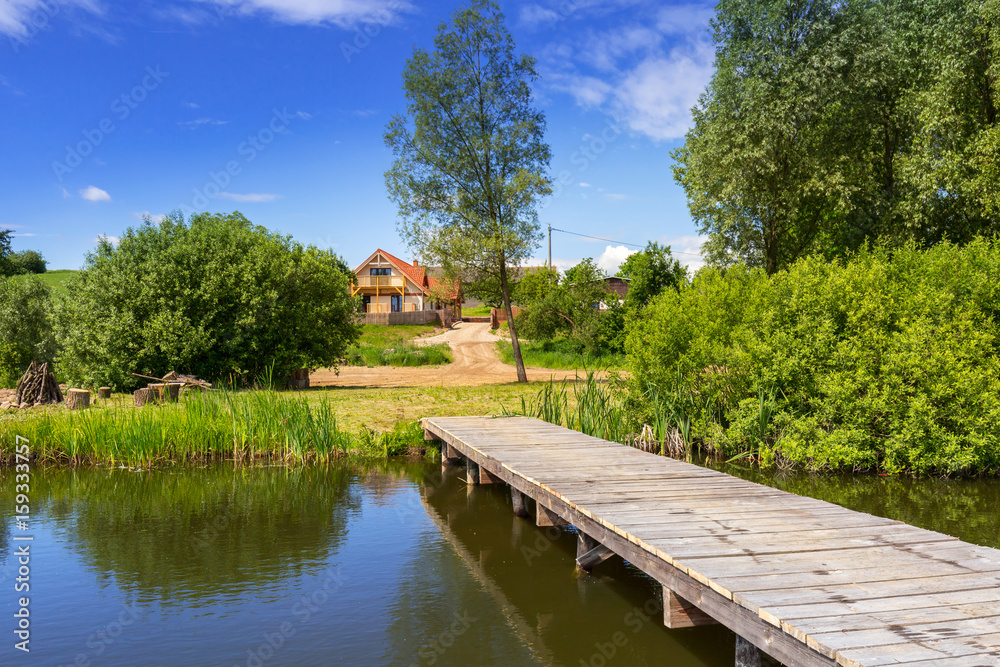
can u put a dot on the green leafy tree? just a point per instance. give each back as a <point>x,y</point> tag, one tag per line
<point>25,326</point>
<point>954,169</point>
<point>471,161</point>
<point>6,266</point>
<point>574,306</point>
<point>753,165</point>
<point>650,272</point>
<point>215,295</point>
<point>28,261</point>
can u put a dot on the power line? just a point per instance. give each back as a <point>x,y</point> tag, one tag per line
<point>633,245</point>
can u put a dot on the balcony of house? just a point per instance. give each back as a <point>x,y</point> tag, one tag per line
<point>379,285</point>
<point>388,308</point>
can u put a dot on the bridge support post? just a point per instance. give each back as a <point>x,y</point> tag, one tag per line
<point>449,455</point>
<point>472,468</point>
<point>747,655</point>
<point>590,552</point>
<point>520,503</point>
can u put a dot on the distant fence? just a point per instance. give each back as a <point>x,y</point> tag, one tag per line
<point>499,315</point>
<point>445,317</point>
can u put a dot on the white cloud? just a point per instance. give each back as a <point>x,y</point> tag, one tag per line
<point>343,13</point>
<point>534,16</point>
<point>656,97</point>
<point>584,185</point>
<point>612,258</point>
<point>614,196</point>
<point>154,217</point>
<point>253,197</point>
<point>646,69</point>
<point>113,240</point>
<point>65,193</point>
<point>192,124</point>
<point>26,234</point>
<point>91,193</point>
<point>23,18</point>
<point>192,105</point>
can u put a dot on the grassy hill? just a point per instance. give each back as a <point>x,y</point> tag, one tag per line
<point>55,279</point>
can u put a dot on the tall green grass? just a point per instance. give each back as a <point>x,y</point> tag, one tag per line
<point>241,426</point>
<point>557,354</point>
<point>661,424</point>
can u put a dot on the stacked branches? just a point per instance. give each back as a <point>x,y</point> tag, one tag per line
<point>37,386</point>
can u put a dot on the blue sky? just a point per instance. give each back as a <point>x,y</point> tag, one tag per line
<point>277,108</point>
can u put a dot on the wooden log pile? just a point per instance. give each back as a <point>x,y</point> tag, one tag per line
<point>167,388</point>
<point>37,386</point>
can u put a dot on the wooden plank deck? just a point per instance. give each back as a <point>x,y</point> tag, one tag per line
<point>806,581</point>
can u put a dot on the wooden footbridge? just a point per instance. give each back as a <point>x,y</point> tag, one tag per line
<point>805,581</point>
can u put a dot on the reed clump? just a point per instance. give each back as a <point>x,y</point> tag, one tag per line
<point>246,427</point>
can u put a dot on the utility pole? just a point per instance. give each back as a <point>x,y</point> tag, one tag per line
<point>550,247</point>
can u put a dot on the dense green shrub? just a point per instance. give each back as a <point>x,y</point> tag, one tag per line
<point>887,360</point>
<point>215,296</point>
<point>25,327</point>
<point>28,261</point>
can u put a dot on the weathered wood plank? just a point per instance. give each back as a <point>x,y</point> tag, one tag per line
<point>807,581</point>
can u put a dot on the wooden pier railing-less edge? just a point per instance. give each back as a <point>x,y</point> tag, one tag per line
<point>806,581</point>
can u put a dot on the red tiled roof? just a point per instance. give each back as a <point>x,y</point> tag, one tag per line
<point>415,273</point>
<point>450,287</point>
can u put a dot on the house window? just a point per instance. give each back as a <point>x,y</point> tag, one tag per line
<point>397,303</point>
<point>380,272</point>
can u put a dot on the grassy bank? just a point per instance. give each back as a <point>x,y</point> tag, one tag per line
<point>558,354</point>
<point>393,346</point>
<point>54,279</point>
<point>478,311</point>
<point>248,426</point>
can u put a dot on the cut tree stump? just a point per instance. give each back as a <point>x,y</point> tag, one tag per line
<point>104,392</point>
<point>144,396</point>
<point>174,390</point>
<point>77,399</point>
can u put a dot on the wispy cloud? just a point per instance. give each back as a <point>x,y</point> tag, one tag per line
<point>253,197</point>
<point>343,13</point>
<point>201,122</point>
<point>65,193</point>
<point>113,240</point>
<point>153,217</point>
<point>23,18</point>
<point>92,193</point>
<point>614,196</point>
<point>647,69</point>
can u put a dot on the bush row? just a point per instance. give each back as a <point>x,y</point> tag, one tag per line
<point>884,361</point>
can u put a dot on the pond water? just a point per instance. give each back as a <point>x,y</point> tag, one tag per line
<point>387,563</point>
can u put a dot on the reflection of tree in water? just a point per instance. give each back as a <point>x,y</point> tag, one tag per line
<point>965,509</point>
<point>192,533</point>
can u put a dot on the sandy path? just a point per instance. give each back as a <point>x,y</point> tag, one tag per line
<point>475,363</point>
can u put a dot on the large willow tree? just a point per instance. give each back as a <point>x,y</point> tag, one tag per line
<point>471,161</point>
<point>829,124</point>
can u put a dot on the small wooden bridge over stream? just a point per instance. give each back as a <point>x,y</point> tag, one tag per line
<point>805,581</point>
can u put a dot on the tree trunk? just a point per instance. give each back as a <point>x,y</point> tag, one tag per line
<point>144,396</point>
<point>104,392</point>
<point>522,375</point>
<point>77,399</point>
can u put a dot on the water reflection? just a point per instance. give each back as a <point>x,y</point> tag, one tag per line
<point>216,533</point>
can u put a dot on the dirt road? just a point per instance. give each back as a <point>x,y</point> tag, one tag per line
<point>475,363</point>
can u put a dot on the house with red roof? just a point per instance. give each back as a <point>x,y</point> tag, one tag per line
<point>387,284</point>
